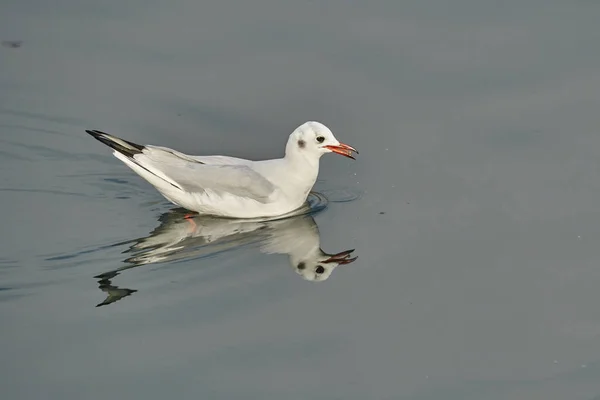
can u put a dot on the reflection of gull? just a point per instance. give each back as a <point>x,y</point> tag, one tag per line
<point>183,237</point>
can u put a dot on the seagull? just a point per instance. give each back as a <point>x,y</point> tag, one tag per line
<point>233,187</point>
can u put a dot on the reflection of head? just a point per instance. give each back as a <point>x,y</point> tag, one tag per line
<point>299,238</point>
<point>317,267</point>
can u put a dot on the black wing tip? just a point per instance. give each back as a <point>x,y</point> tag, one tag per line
<point>94,133</point>
<point>131,150</point>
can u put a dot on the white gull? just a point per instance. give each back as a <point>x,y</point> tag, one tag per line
<point>229,186</point>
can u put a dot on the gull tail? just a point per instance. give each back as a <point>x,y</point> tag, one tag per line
<point>132,155</point>
<point>124,147</point>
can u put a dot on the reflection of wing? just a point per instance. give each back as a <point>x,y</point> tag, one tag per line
<point>193,176</point>
<point>179,237</point>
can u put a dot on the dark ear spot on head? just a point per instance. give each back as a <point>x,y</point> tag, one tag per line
<point>301,143</point>
<point>301,265</point>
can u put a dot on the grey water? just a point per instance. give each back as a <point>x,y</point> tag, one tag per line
<point>472,211</point>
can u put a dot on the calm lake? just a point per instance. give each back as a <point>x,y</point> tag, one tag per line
<point>473,207</point>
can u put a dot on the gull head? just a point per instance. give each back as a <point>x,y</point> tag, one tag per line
<point>313,139</point>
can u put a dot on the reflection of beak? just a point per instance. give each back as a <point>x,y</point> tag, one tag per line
<point>342,149</point>
<point>341,258</point>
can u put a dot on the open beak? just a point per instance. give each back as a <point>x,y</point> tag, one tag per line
<point>342,149</point>
<point>341,258</point>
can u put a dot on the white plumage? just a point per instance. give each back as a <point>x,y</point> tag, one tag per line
<point>228,186</point>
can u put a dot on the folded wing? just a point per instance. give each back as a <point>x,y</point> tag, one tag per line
<point>193,176</point>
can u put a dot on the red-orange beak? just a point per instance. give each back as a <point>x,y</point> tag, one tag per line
<point>342,149</point>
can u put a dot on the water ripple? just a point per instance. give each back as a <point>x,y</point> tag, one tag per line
<point>341,194</point>
<point>44,191</point>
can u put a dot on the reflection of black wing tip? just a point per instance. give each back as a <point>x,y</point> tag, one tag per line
<point>116,295</point>
<point>113,293</point>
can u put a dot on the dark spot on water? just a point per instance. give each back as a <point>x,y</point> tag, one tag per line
<point>301,266</point>
<point>116,180</point>
<point>12,44</point>
<point>381,212</point>
<point>301,143</point>
<point>320,270</point>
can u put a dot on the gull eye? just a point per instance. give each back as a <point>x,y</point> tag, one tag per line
<point>320,139</point>
<point>320,270</point>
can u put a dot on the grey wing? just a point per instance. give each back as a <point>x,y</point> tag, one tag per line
<point>194,176</point>
<point>158,151</point>
<point>237,180</point>
<point>220,160</point>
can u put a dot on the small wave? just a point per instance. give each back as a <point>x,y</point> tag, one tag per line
<point>341,194</point>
